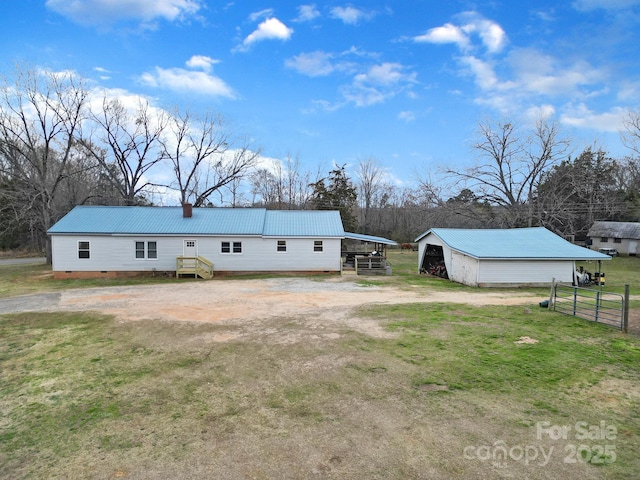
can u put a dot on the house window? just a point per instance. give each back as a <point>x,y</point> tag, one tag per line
<point>282,245</point>
<point>228,247</point>
<point>317,246</point>
<point>83,250</point>
<point>139,249</point>
<point>190,243</point>
<point>604,239</point>
<point>617,240</point>
<point>151,250</point>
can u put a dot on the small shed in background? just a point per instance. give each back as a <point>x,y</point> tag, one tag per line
<point>623,236</point>
<point>501,257</point>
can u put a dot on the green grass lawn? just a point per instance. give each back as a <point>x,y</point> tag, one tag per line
<point>85,396</point>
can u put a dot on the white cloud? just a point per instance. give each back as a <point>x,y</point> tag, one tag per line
<point>307,13</point>
<point>407,116</point>
<point>448,33</point>
<point>320,63</point>
<point>270,29</point>
<point>379,83</point>
<point>104,73</point>
<point>266,13</point>
<point>529,76</point>
<point>201,62</point>
<point>350,15</point>
<point>314,64</point>
<point>537,112</point>
<point>629,91</point>
<point>581,116</point>
<point>191,81</point>
<point>107,12</point>
<point>482,71</point>
<point>492,36</point>
<point>543,74</point>
<point>385,74</point>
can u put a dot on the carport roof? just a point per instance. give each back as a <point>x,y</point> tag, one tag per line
<point>515,243</point>
<point>369,238</point>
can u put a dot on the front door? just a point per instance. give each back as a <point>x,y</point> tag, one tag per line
<point>190,248</point>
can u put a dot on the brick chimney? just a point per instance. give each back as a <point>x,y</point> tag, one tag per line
<point>187,210</point>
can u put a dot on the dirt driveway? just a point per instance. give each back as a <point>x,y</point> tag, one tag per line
<point>244,304</point>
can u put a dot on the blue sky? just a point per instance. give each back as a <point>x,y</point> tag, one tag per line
<point>404,82</point>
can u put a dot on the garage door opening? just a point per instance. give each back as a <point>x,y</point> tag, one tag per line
<point>433,261</point>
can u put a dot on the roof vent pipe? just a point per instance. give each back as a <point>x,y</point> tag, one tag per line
<point>187,210</point>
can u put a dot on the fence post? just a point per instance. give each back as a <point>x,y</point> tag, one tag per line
<point>625,313</point>
<point>552,293</point>
<point>597,304</point>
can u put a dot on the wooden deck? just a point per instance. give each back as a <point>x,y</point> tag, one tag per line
<point>196,266</point>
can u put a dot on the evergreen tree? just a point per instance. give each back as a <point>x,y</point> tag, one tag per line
<point>337,192</point>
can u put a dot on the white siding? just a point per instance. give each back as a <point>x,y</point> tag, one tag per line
<point>261,254</point>
<point>523,272</point>
<point>461,268</point>
<point>625,247</point>
<point>117,253</point>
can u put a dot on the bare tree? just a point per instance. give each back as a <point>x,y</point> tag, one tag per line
<point>370,178</point>
<point>41,114</point>
<point>631,131</point>
<point>264,187</point>
<point>510,165</point>
<point>126,142</point>
<point>204,156</point>
<point>284,186</point>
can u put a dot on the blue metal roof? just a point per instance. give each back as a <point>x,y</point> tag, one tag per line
<point>515,243</point>
<point>204,221</point>
<point>369,238</point>
<point>303,223</point>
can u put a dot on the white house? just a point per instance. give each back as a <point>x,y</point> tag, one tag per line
<point>623,236</point>
<point>96,241</point>
<point>501,257</point>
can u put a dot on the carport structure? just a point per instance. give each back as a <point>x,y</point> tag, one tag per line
<point>368,256</point>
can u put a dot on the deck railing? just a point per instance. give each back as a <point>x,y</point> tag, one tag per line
<point>371,264</point>
<point>198,266</point>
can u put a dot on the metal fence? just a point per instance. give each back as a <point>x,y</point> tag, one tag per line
<point>590,304</point>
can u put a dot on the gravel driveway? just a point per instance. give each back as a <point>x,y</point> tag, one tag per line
<point>248,302</point>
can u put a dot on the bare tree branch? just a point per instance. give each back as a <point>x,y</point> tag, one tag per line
<point>510,165</point>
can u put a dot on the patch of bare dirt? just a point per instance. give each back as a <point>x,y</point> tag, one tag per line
<point>526,340</point>
<point>244,303</point>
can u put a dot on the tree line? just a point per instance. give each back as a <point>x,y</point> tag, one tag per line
<point>62,145</point>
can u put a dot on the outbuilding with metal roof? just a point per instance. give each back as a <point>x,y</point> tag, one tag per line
<point>501,257</point>
<point>95,241</point>
<point>623,236</point>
